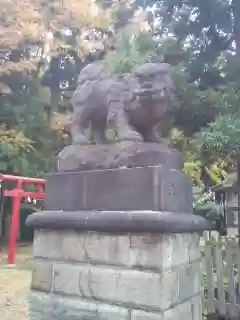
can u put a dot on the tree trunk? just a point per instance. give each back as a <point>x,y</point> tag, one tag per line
<point>236,25</point>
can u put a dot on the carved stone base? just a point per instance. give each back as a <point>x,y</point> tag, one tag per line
<point>116,266</point>
<point>123,154</point>
<point>142,188</point>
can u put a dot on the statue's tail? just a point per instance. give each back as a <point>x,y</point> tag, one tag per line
<point>93,72</point>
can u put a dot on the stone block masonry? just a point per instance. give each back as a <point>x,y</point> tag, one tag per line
<point>92,275</point>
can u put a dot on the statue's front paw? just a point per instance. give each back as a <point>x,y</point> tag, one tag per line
<point>153,139</point>
<point>131,136</point>
<point>165,142</point>
<point>80,139</point>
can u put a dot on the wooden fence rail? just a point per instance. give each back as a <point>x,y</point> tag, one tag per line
<point>221,276</point>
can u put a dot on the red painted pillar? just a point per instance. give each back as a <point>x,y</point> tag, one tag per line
<point>14,222</point>
<point>40,187</point>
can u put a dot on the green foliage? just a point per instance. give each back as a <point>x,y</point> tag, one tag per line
<point>201,172</point>
<point>203,36</point>
<point>223,135</point>
<point>206,28</point>
<point>195,38</point>
<point>196,108</point>
<point>28,144</point>
<point>31,34</point>
<point>14,150</point>
<point>131,50</point>
<point>205,206</point>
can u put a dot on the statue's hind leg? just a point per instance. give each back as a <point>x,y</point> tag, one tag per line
<point>98,132</point>
<point>154,135</point>
<point>124,130</point>
<point>151,135</point>
<point>117,115</point>
<point>78,129</point>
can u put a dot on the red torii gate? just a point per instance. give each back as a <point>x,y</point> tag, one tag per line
<point>17,194</point>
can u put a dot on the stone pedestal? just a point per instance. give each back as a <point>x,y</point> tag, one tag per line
<point>144,188</point>
<point>119,241</point>
<point>116,265</point>
<point>123,154</point>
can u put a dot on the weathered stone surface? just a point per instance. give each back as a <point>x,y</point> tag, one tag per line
<point>136,106</point>
<point>123,276</point>
<point>194,252</point>
<point>186,288</point>
<point>66,279</point>
<point>157,291</point>
<point>174,191</point>
<point>143,315</point>
<point>157,252</point>
<point>180,312</point>
<point>118,240</point>
<point>123,154</point>
<point>119,222</point>
<point>109,312</point>
<point>128,287</point>
<point>47,244</point>
<point>53,307</point>
<point>197,309</point>
<point>146,188</point>
<point>42,276</point>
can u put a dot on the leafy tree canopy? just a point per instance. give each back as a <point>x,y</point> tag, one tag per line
<point>40,62</point>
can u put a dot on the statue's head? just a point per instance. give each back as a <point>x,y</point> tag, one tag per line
<point>154,83</point>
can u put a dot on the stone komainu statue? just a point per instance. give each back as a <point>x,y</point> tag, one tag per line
<point>135,106</point>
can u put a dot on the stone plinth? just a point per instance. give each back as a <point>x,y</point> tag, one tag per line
<point>118,240</point>
<point>123,154</point>
<point>145,188</point>
<point>116,266</point>
<point>125,176</point>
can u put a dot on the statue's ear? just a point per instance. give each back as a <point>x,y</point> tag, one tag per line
<point>165,64</point>
<point>164,67</point>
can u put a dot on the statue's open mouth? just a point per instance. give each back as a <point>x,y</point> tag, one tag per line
<point>145,91</point>
<point>149,93</point>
